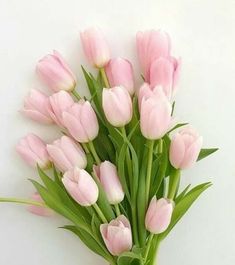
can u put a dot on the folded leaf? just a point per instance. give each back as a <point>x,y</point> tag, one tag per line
<point>206,152</point>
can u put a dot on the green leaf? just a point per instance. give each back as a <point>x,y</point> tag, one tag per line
<point>183,205</point>
<point>128,258</point>
<point>177,126</point>
<point>206,152</point>
<point>181,195</point>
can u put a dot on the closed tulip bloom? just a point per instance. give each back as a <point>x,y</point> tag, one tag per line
<point>95,47</point>
<point>36,107</point>
<point>117,235</point>
<point>66,154</point>
<point>117,106</point>
<point>165,72</point>
<point>55,72</point>
<point>120,73</point>
<point>185,148</point>
<point>152,45</point>
<point>33,150</point>
<point>81,121</point>
<point>59,102</point>
<point>155,116</point>
<point>81,186</point>
<point>109,179</point>
<point>158,216</point>
<point>39,210</point>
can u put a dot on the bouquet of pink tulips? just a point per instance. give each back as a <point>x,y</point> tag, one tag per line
<point>115,172</point>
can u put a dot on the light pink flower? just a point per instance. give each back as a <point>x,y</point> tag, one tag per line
<point>165,72</point>
<point>81,121</point>
<point>120,73</point>
<point>109,179</point>
<point>55,72</point>
<point>185,148</point>
<point>39,210</point>
<point>117,235</point>
<point>158,216</point>
<point>95,47</point>
<point>59,102</point>
<point>152,45</point>
<point>155,116</point>
<point>36,107</point>
<point>117,106</point>
<point>66,154</point>
<point>81,186</point>
<point>33,150</point>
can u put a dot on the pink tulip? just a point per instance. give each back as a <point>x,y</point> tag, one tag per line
<point>185,148</point>
<point>55,72</point>
<point>59,102</point>
<point>108,176</point>
<point>158,216</point>
<point>81,121</point>
<point>33,150</point>
<point>39,210</point>
<point>66,154</point>
<point>165,72</point>
<point>152,45</point>
<point>155,116</point>
<point>81,186</point>
<point>95,47</point>
<point>117,106</point>
<point>120,73</point>
<point>117,235</point>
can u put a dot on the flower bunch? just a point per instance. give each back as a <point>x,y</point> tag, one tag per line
<point>115,172</point>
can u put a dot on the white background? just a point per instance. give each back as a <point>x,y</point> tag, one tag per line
<point>203,35</point>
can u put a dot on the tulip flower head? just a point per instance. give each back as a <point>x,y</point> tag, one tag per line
<point>95,47</point>
<point>81,186</point>
<point>33,150</point>
<point>158,216</point>
<point>185,148</point>
<point>81,121</point>
<point>117,235</point>
<point>117,106</point>
<point>55,72</point>
<point>36,107</point>
<point>66,154</point>
<point>109,179</point>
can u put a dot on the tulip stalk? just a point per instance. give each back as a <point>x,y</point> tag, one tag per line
<point>104,77</point>
<point>150,144</point>
<point>100,213</point>
<point>23,201</point>
<point>94,153</point>
<point>75,94</point>
<point>174,180</point>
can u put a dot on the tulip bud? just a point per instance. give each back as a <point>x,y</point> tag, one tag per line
<point>55,72</point>
<point>152,45</point>
<point>117,106</point>
<point>165,72</point>
<point>66,154</point>
<point>81,121</point>
<point>33,150</point>
<point>155,116</point>
<point>117,235</point>
<point>120,73</point>
<point>158,216</point>
<point>59,102</point>
<point>185,148</point>
<point>81,186</point>
<point>36,107</point>
<point>39,210</point>
<point>109,179</point>
<point>95,47</point>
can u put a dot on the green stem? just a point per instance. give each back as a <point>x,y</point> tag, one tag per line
<point>150,144</point>
<point>76,95</point>
<point>148,246</point>
<point>160,146</point>
<point>104,77</point>
<point>94,153</point>
<point>100,213</point>
<point>85,148</point>
<point>117,209</point>
<point>23,201</point>
<point>155,252</point>
<point>175,182</point>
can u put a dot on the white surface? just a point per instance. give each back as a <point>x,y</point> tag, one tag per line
<point>203,34</point>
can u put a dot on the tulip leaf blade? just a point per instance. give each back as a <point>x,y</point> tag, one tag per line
<point>206,152</point>
<point>178,126</point>
<point>127,258</point>
<point>183,205</point>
